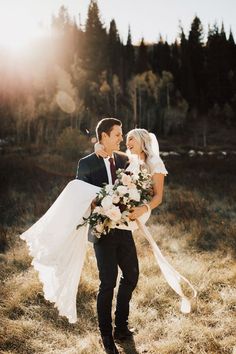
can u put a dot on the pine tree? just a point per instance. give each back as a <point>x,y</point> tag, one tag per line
<point>175,62</point>
<point>196,54</point>
<point>232,59</point>
<point>232,49</point>
<point>94,53</point>
<point>185,75</point>
<point>114,50</point>
<point>161,56</point>
<point>128,59</point>
<point>65,40</point>
<point>218,67</point>
<point>213,74</point>
<point>142,64</point>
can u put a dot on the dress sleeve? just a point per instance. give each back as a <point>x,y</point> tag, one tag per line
<point>157,166</point>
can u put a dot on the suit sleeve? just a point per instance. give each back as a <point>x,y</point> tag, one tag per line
<point>83,171</point>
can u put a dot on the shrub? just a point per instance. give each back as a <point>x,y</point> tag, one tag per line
<point>72,143</point>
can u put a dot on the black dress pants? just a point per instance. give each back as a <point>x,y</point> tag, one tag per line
<point>113,250</point>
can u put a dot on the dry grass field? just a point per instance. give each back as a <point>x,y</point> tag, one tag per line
<point>196,230</point>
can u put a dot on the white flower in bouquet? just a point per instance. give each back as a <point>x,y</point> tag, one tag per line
<point>122,190</point>
<point>115,199</point>
<point>126,179</point>
<point>109,189</point>
<point>114,213</point>
<point>112,224</point>
<point>134,195</point>
<point>125,216</point>
<point>146,185</point>
<point>99,228</point>
<point>98,210</point>
<point>135,177</point>
<point>114,202</point>
<point>132,185</point>
<point>125,200</point>
<point>107,202</point>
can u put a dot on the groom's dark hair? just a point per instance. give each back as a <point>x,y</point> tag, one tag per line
<point>105,125</point>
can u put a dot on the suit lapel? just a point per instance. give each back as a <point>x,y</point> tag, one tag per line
<point>120,161</point>
<point>101,171</point>
<point>117,161</point>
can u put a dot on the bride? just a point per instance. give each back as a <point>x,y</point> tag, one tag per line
<point>58,248</point>
<point>145,147</point>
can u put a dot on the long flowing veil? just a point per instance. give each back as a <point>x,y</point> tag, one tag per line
<point>154,145</point>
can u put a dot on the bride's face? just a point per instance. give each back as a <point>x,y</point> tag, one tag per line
<point>133,145</point>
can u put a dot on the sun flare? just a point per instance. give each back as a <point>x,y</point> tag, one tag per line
<point>18,28</point>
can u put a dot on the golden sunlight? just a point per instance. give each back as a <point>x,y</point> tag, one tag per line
<point>17,28</point>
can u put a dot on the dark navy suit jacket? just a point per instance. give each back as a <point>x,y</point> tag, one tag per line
<point>92,169</point>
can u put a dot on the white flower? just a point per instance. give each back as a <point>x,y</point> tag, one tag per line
<point>99,228</point>
<point>98,210</point>
<point>107,202</point>
<point>132,185</point>
<point>122,190</point>
<point>146,185</point>
<point>125,179</point>
<point>115,199</point>
<point>125,200</point>
<point>134,195</point>
<point>112,224</point>
<point>114,213</point>
<point>109,188</point>
<point>135,177</point>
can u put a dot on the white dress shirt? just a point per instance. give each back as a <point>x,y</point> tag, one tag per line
<point>107,164</point>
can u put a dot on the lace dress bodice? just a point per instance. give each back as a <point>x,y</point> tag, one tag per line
<point>153,165</point>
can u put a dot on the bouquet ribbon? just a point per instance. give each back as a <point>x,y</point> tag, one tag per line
<point>58,249</point>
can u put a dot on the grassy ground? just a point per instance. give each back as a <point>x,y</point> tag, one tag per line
<point>195,229</point>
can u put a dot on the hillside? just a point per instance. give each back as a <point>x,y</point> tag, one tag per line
<point>195,229</point>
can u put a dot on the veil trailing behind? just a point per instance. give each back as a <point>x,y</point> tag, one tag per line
<point>58,248</point>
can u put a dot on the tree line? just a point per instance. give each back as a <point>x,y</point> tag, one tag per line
<point>79,74</point>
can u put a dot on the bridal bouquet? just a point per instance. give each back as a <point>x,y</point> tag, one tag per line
<point>114,202</point>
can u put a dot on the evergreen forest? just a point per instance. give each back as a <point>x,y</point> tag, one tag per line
<point>82,73</point>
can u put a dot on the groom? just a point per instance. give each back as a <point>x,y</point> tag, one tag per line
<point>116,249</point>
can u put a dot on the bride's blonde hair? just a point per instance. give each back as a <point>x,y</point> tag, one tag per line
<point>143,137</point>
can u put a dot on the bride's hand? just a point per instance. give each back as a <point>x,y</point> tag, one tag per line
<point>99,150</point>
<point>93,204</point>
<point>137,212</point>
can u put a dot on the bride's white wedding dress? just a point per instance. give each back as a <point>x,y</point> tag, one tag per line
<point>58,248</point>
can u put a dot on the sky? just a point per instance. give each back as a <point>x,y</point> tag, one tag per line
<point>147,18</point>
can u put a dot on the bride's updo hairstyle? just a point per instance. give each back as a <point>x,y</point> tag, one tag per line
<point>144,138</point>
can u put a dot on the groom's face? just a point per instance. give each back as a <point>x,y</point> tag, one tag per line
<point>112,141</point>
